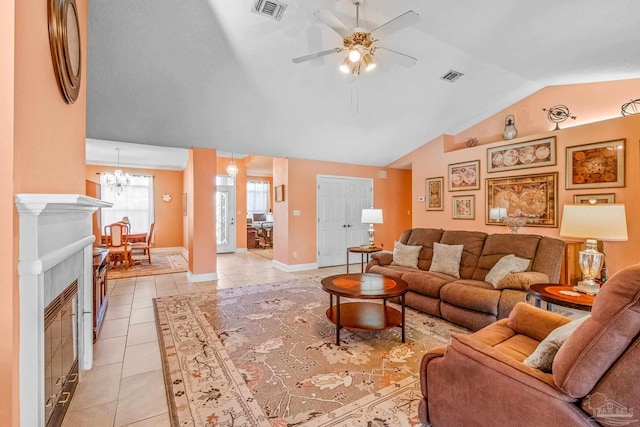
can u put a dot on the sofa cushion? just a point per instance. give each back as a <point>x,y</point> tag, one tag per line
<point>424,237</point>
<point>498,245</point>
<point>471,294</point>
<point>405,255</point>
<point>543,355</point>
<point>522,281</point>
<point>404,237</point>
<point>505,265</point>
<point>395,271</point>
<point>427,283</point>
<point>473,242</point>
<point>446,259</point>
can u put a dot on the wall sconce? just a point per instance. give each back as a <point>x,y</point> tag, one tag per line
<point>510,130</point>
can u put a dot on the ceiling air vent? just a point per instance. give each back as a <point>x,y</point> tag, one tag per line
<point>271,8</point>
<point>452,76</point>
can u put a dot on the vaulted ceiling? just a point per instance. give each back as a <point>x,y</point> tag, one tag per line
<point>210,73</point>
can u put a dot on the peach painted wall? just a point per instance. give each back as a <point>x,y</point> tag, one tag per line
<point>391,194</point>
<point>202,212</point>
<point>432,160</point>
<point>281,211</point>
<point>168,216</point>
<point>589,102</point>
<point>40,132</point>
<point>8,252</point>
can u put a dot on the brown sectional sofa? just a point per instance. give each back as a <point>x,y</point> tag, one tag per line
<point>469,300</point>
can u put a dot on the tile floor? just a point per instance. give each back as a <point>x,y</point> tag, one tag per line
<point>126,386</point>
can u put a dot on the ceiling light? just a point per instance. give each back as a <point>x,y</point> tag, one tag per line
<point>117,181</point>
<point>355,53</point>
<point>232,169</point>
<point>369,62</point>
<point>345,67</point>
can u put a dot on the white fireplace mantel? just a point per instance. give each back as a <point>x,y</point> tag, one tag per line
<point>56,248</point>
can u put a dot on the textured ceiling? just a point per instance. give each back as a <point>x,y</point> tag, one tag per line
<point>198,73</point>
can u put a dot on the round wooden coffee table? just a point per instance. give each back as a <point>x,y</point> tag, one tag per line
<point>363,315</point>
<point>554,293</point>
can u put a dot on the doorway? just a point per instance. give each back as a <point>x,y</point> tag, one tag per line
<point>225,214</point>
<point>340,201</point>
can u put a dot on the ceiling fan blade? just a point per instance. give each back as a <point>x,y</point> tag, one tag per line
<point>337,25</point>
<point>396,24</point>
<point>300,59</point>
<point>400,58</point>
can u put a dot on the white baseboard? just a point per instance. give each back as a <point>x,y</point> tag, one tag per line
<point>201,277</point>
<point>294,267</point>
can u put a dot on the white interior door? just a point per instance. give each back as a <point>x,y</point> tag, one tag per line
<point>226,218</point>
<point>340,201</point>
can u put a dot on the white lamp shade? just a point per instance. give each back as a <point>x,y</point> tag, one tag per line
<point>497,213</point>
<point>607,222</point>
<point>371,216</point>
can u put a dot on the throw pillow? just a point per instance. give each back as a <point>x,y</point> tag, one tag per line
<point>522,281</point>
<point>446,259</point>
<point>542,357</point>
<point>405,255</point>
<point>505,265</point>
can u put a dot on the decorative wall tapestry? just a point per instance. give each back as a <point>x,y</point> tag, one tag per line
<point>599,165</point>
<point>531,196</point>
<point>464,176</point>
<point>433,190</point>
<point>530,154</point>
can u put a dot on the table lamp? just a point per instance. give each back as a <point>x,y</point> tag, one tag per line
<point>497,214</point>
<point>606,222</point>
<point>371,216</point>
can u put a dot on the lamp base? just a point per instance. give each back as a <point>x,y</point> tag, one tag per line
<point>587,287</point>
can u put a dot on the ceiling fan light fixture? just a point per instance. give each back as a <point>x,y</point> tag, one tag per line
<point>369,62</point>
<point>345,67</point>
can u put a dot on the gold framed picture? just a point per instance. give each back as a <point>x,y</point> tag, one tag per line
<point>594,199</point>
<point>434,188</point>
<point>531,196</point>
<point>279,189</point>
<point>530,154</point>
<point>598,165</point>
<point>464,176</point>
<point>464,207</point>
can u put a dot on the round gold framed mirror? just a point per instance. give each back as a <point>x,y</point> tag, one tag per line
<point>64,39</point>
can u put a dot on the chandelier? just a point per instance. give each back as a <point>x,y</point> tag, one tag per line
<point>232,169</point>
<point>117,181</point>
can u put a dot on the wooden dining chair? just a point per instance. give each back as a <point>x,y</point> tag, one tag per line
<point>145,246</point>
<point>117,243</point>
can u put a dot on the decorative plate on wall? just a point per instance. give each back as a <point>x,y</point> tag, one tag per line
<point>64,39</point>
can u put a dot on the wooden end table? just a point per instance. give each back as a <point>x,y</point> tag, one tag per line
<point>361,250</point>
<point>554,293</point>
<point>363,315</point>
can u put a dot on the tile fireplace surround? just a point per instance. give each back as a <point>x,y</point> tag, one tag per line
<point>56,248</point>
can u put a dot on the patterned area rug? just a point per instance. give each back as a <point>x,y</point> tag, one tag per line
<point>265,355</point>
<point>160,264</point>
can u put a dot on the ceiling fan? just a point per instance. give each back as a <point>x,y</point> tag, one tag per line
<point>360,43</point>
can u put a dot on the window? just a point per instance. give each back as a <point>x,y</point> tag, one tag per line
<point>136,203</point>
<point>257,197</point>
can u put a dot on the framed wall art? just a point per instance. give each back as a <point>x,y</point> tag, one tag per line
<point>530,154</point>
<point>279,193</point>
<point>594,199</point>
<point>530,196</point>
<point>464,207</point>
<point>598,165</point>
<point>464,176</point>
<point>434,188</point>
